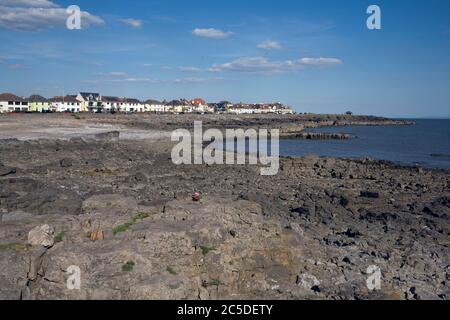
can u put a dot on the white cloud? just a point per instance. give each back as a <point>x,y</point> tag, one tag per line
<point>118,74</point>
<point>112,74</point>
<point>263,65</point>
<point>193,80</point>
<point>189,80</point>
<point>34,15</point>
<point>120,80</point>
<point>135,23</point>
<point>28,3</point>
<point>270,45</point>
<point>190,69</point>
<point>320,61</point>
<point>211,33</point>
<point>214,69</point>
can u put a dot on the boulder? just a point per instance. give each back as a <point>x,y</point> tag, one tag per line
<point>307,281</point>
<point>42,236</point>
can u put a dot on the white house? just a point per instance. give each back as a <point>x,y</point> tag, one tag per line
<point>132,105</point>
<point>112,104</point>
<point>90,102</point>
<point>177,106</point>
<point>199,105</point>
<point>66,104</point>
<point>12,103</point>
<point>154,106</point>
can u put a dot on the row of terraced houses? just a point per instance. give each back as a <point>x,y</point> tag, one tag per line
<point>96,103</point>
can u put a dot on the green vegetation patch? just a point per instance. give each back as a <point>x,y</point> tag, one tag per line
<point>206,250</point>
<point>14,246</point>
<point>122,228</point>
<point>128,266</point>
<point>59,237</point>
<point>216,283</point>
<point>171,271</point>
<point>127,225</point>
<point>141,216</point>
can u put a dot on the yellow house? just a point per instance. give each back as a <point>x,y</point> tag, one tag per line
<point>37,103</point>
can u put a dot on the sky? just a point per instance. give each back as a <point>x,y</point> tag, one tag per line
<point>316,56</point>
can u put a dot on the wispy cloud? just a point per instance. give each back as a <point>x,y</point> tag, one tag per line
<point>187,80</point>
<point>211,33</point>
<point>135,23</point>
<point>35,15</point>
<point>16,66</point>
<point>193,80</point>
<point>270,45</point>
<point>29,3</point>
<point>112,74</point>
<point>263,65</point>
<point>120,80</point>
<point>190,69</point>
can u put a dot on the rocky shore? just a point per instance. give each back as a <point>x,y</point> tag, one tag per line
<point>123,213</point>
<point>316,136</point>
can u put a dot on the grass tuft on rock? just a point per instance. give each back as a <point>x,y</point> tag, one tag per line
<point>141,216</point>
<point>122,228</point>
<point>216,283</point>
<point>128,266</point>
<point>206,250</point>
<point>59,237</point>
<point>171,271</point>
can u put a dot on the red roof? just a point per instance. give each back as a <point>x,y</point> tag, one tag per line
<point>198,102</point>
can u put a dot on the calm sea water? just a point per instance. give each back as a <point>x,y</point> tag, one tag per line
<point>426,144</point>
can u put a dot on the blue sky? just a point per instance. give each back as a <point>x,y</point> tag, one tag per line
<point>317,56</point>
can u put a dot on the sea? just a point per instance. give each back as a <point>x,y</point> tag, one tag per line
<point>426,144</point>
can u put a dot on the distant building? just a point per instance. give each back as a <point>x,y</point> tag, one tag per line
<point>222,106</point>
<point>12,103</point>
<point>112,104</point>
<point>179,106</point>
<point>200,105</point>
<point>90,102</point>
<point>260,108</point>
<point>68,103</point>
<point>132,105</point>
<point>154,106</point>
<point>37,103</point>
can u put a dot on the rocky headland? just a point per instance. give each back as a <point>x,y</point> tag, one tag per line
<point>121,211</point>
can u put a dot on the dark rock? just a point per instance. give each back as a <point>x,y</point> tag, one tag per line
<point>65,163</point>
<point>346,260</point>
<point>5,171</point>
<point>370,194</point>
<point>351,233</point>
<point>344,201</point>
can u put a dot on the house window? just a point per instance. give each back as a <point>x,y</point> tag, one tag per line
<point>10,103</point>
